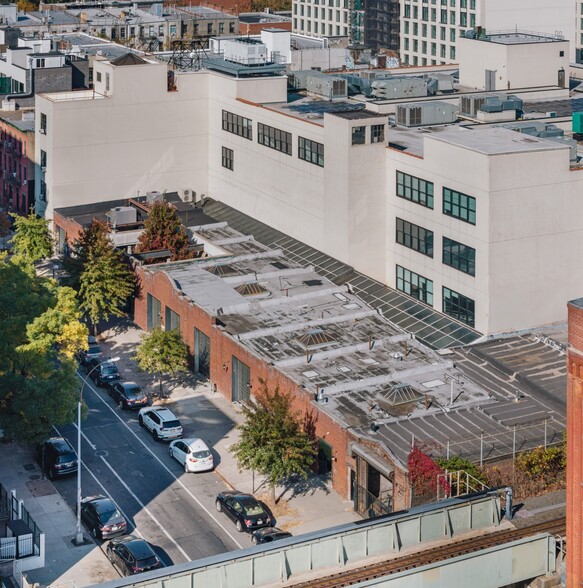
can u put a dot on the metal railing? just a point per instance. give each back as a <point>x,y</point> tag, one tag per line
<point>460,483</point>
<point>367,505</point>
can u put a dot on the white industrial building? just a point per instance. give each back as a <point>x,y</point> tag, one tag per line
<point>425,193</point>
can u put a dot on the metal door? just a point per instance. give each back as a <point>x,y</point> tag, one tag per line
<point>490,83</point>
<point>154,309</point>
<point>202,353</point>
<point>241,381</point>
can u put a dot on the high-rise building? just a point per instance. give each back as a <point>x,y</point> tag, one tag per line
<point>430,28</point>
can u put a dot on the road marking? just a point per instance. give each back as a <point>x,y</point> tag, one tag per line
<point>147,510</point>
<point>206,510</point>
<point>94,447</point>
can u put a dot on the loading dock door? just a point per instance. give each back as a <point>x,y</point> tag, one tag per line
<point>241,381</point>
<point>202,353</point>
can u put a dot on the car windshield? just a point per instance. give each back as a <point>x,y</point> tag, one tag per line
<point>66,457</point>
<point>135,392</point>
<point>252,508</point>
<point>109,370</point>
<point>171,424</point>
<point>201,454</point>
<point>109,515</point>
<point>147,562</point>
<point>93,350</point>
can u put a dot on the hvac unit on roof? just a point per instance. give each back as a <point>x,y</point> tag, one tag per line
<point>189,195</point>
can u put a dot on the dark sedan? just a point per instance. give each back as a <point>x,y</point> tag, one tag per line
<point>269,534</point>
<point>128,395</point>
<point>102,372</point>
<point>102,517</point>
<point>131,555</point>
<point>86,355</point>
<point>244,510</point>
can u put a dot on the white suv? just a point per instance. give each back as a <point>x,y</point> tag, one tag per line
<point>161,422</point>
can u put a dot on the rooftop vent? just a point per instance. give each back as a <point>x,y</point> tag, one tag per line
<point>279,265</point>
<point>252,289</point>
<point>313,282</point>
<point>401,394</point>
<point>315,338</point>
<point>223,271</point>
<point>122,215</point>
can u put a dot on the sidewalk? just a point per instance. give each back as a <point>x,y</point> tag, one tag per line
<point>305,507</point>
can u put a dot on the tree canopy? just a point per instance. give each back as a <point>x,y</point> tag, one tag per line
<point>272,440</point>
<point>32,241</point>
<point>163,230</point>
<point>162,352</point>
<point>100,274</point>
<point>39,331</point>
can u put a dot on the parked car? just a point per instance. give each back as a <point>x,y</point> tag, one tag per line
<point>102,517</point>
<point>161,422</point>
<point>128,395</point>
<point>193,454</point>
<point>245,510</point>
<point>102,372</point>
<point>269,534</point>
<point>132,555</point>
<point>93,351</point>
<point>56,457</point>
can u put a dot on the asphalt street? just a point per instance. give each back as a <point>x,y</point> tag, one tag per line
<point>173,511</point>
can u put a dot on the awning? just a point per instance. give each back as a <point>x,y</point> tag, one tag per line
<point>384,468</point>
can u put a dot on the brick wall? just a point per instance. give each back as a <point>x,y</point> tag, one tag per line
<point>71,227</point>
<point>256,27</point>
<point>575,448</point>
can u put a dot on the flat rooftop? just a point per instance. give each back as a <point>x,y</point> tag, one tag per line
<point>519,38</point>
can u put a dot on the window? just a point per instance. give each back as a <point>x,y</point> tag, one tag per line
<point>99,76</point>
<point>415,237</point>
<point>459,256</point>
<point>160,29</point>
<point>274,138</point>
<point>43,191</point>
<point>132,31</point>
<point>173,30</point>
<point>43,122</point>
<point>459,205</point>
<point>358,135</point>
<point>415,189</point>
<point>311,151</point>
<point>153,312</point>
<point>107,82</point>
<point>238,125</point>
<point>172,320</point>
<point>415,285</point>
<point>459,307</point>
<point>43,159</point>
<point>231,27</point>
<point>227,158</point>
<point>209,28</point>
<point>221,28</point>
<point>377,134</point>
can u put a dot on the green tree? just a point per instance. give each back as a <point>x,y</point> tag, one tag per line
<point>163,230</point>
<point>162,353</point>
<point>38,384</point>
<point>32,241</point>
<point>272,440</point>
<point>459,464</point>
<point>101,274</point>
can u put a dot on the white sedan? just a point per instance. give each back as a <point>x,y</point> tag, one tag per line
<point>193,454</point>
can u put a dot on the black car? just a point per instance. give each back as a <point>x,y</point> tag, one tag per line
<point>56,457</point>
<point>128,395</point>
<point>102,372</point>
<point>93,351</point>
<point>132,555</point>
<point>102,517</point>
<point>269,534</point>
<point>244,509</point>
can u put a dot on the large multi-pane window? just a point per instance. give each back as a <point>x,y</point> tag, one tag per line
<point>415,237</point>
<point>459,205</point>
<point>459,306</point>
<point>377,134</point>
<point>311,151</point>
<point>415,285</point>
<point>459,256</point>
<point>358,135</point>
<point>274,138</point>
<point>227,158</point>
<point>238,125</point>
<point>415,189</point>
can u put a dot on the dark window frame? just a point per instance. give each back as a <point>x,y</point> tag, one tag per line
<point>227,158</point>
<point>311,151</point>
<point>359,135</point>
<point>459,256</point>
<point>414,237</point>
<point>274,138</point>
<point>459,306</point>
<point>377,133</point>
<point>415,285</point>
<point>459,205</point>
<point>237,124</point>
<point>415,189</point>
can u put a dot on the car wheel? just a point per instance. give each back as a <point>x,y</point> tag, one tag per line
<point>219,506</point>
<point>171,452</point>
<point>121,405</point>
<point>186,468</point>
<point>51,474</point>
<point>254,539</point>
<point>239,526</point>
<point>95,532</point>
<point>140,420</point>
<point>156,436</point>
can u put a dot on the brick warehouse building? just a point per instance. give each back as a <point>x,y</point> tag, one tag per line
<point>367,389</point>
<point>575,445</point>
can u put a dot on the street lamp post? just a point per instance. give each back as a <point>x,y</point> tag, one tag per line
<point>79,540</point>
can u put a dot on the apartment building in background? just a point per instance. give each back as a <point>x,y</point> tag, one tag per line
<point>457,214</point>
<point>430,29</point>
